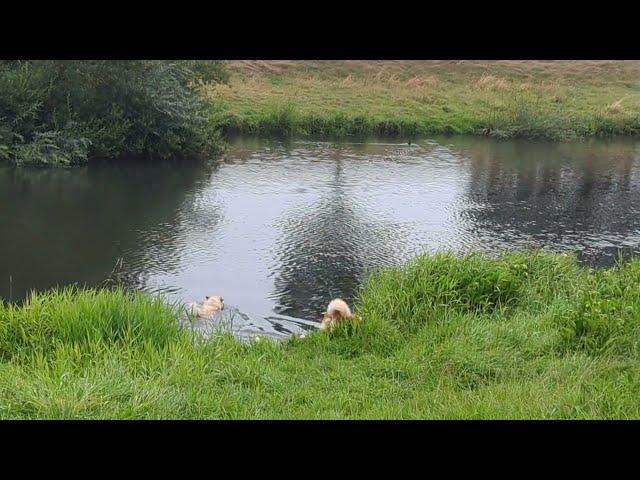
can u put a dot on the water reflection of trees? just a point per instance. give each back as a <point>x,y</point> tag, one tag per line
<point>582,196</point>
<point>70,226</point>
<point>326,249</point>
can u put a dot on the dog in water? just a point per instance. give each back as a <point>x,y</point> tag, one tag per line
<point>336,312</point>
<point>211,305</point>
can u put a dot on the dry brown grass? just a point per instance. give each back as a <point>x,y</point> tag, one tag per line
<point>261,66</point>
<point>616,107</point>
<point>428,82</point>
<point>492,83</point>
<point>592,69</point>
<point>551,99</point>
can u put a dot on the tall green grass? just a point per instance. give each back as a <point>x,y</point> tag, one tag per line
<point>526,335</point>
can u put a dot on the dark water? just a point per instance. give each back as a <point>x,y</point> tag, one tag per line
<point>278,229</point>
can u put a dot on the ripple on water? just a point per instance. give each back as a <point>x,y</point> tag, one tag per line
<point>278,229</point>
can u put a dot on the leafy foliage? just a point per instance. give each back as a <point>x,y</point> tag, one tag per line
<point>64,112</point>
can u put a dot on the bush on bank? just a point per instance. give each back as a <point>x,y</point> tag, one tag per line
<point>65,112</point>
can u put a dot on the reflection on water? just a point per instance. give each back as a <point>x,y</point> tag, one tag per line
<point>574,197</point>
<point>279,229</point>
<point>320,252</point>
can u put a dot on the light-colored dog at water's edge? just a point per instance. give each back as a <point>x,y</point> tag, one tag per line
<point>211,305</point>
<point>336,311</point>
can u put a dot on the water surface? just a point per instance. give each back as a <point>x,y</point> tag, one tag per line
<point>279,228</point>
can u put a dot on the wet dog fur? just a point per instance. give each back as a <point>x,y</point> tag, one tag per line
<point>336,312</point>
<point>211,305</point>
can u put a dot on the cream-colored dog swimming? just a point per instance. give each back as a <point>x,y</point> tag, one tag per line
<point>211,305</point>
<point>337,310</point>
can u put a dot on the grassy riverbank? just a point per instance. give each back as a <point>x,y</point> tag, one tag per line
<point>532,99</point>
<point>526,336</point>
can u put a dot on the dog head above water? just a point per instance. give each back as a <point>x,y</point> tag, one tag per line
<point>214,301</point>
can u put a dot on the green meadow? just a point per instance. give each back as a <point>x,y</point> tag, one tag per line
<point>527,335</point>
<point>555,100</point>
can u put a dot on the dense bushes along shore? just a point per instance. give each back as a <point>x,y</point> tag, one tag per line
<point>66,112</point>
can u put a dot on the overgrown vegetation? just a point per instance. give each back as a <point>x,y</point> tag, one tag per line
<point>527,335</point>
<point>548,100</point>
<point>67,112</point>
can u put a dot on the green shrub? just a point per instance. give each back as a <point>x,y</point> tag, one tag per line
<point>207,71</point>
<point>64,112</point>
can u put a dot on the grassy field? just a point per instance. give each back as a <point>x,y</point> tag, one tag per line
<point>533,99</point>
<point>528,335</point>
